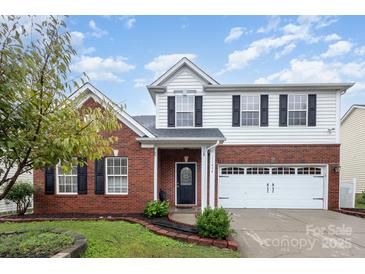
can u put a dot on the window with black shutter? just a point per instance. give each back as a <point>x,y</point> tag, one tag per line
<point>312,110</point>
<point>99,177</point>
<point>236,110</point>
<point>264,109</point>
<point>198,111</point>
<point>171,111</point>
<point>49,180</point>
<point>283,110</point>
<point>82,178</point>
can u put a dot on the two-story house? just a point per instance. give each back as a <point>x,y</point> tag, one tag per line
<point>235,146</point>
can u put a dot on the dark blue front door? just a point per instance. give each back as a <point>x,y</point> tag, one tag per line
<point>185,183</point>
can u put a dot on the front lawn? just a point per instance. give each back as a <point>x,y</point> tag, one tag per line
<point>124,240</point>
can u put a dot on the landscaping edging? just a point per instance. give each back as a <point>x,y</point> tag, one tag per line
<point>230,243</point>
<point>76,250</point>
<point>352,211</point>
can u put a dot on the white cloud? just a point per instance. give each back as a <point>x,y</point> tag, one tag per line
<point>287,49</point>
<point>339,48</point>
<point>140,82</point>
<point>102,69</point>
<point>332,37</point>
<point>77,41</point>
<point>301,30</point>
<point>234,34</point>
<point>273,25</point>
<point>97,32</point>
<point>163,62</point>
<point>360,51</point>
<point>316,71</point>
<point>129,21</point>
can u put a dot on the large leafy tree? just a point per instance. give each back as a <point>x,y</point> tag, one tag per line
<point>39,124</point>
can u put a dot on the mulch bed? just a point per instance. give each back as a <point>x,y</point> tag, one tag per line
<point>132,218</point>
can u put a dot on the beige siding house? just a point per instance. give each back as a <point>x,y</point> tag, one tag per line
<point>7,206</point>
<point>353,146</point>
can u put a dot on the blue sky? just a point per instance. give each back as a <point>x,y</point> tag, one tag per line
<point>121,54</point>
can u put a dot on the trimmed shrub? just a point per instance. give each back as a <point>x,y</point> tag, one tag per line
<point>362,199</point>
<point>21,194</point>
<point>156,209</point>
<point>214,223</point>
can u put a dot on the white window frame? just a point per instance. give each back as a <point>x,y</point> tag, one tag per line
<point>120,175</point>
<point>259,110</point>
<point>64,175</point>
<point>184,93</point>
<point>297,110</point>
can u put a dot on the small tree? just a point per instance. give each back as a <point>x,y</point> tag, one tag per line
<point>21,194</point>
<point>39,124</point>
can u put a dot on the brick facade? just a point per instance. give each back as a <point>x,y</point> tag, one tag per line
<point>140,173</point>
<point>167,170</point>
<point>285,154</point>
<point>140,183</point>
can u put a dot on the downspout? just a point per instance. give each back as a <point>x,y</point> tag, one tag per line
<point>213,146</point>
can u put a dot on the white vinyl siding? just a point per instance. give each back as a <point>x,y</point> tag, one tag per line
<point>217,113</point>
<point>116,175</point>
<point>7,206</point>
<point>353,149</point>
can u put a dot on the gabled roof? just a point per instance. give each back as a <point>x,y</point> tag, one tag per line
<point>350,110</point>
<point>183,62</point>
<point>89,91</point>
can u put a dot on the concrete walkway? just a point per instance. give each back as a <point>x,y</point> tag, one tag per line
<point>184,218</point>
<point>298,233</point>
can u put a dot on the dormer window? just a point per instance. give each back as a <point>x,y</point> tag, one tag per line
<point>184,110</point>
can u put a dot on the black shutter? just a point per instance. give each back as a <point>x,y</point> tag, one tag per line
<point>82,178</point>
<point>99,177</point>
<point>312,110</point>
<point>264,115</point>
<point>171,111</point>
<point>49,180</point>
<point>198,111</point>
<point>236,110</point>
<point>283,110</point>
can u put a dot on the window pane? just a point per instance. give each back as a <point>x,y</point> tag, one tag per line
<point>184,119</point>
<point>250,118</point>
<point>110,161</point>
<point>117,170</point>
<point>250,102</point>
<point>116,161</point>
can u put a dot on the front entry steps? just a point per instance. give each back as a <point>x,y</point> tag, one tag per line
<point>185,216</point>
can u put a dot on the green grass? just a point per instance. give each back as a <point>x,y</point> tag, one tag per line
<point>33,244</point>
<point>124,240</point>
<point>359,203</point>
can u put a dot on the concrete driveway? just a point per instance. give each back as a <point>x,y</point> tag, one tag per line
<point>298,233</point>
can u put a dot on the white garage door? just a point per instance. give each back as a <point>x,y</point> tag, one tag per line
<point>271,187</point>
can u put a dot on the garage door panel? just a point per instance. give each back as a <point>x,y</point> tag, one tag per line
<point>271,191</point>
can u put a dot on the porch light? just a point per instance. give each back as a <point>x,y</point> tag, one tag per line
<point>186,158</point>
<point>115,152</point>
<point>337,168</point>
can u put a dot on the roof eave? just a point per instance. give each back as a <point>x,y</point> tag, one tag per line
<point>279,87</point>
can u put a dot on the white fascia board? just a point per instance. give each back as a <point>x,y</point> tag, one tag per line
<point>281,87</point>
<point>99,97</point>
<point>190,140</point>
<point>184,62</point>
<point>349,111</point>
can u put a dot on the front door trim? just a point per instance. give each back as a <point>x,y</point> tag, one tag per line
<point>196,184</point>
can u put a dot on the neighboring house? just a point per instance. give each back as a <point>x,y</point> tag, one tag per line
<point>7,206</point>
<point>235,146</point>
<point>353,146</point>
